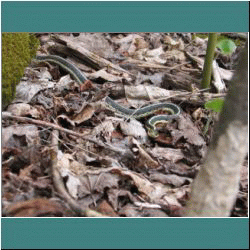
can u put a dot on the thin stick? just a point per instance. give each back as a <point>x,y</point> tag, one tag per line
<point>49,124</point>
<point>56,127</point>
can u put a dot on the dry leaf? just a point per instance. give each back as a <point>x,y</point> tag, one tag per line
<point>23,109</point>
<point>35,208</point>
<point>170,154</point>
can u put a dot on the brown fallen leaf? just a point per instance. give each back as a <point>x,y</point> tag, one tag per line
<point>146,189</point>
<point>189,131</point>
<point>171,179</point>
<point>20,136</point>
<point>91,183</point>
<point>35,208</point>
<point>173,206</point>
<point>144,159</point>
<point>129,210</point>
<point>119,198</point>
<point>85,114</point>
<point>183,169</point>
<point>106,209</point>
<point>169,154</point>
<point>102,74</point>
<point>23,109</point>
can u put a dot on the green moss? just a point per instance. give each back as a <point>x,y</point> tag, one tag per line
<point>17,52</point>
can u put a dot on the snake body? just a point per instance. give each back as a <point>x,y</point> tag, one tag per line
<point>173,109</point>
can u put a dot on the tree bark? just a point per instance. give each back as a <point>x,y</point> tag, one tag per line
<point>215,188</point>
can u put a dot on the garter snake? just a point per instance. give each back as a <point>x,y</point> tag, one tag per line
<point>173,109</point>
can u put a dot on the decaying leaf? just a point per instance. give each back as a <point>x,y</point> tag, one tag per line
<point>86,113</point>
<point>105,130</point>
<point>144,159</point>
<point>106,209</point>
<point>134,128</point>
<point>35,208</point>
<point>25,90</point>
<point>169,154</point>
<point>170,179</point>
<point>23,109</point>
<point>187,131</point>
<point>20,135</point>
<point>119,198</point>
<point>102,74</point>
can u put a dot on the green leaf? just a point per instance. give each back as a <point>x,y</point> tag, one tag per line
<point>227,46</point>
<point>215,105</point>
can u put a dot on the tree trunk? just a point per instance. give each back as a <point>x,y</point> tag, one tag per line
<point>215,188</point>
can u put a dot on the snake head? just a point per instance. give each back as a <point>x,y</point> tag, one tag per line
<point>152,132</point>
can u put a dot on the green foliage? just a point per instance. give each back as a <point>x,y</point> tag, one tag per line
<point>215,105</point>
<point>227,46</point>
<point>17,52</point>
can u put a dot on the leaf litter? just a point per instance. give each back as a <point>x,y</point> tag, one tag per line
<point>104,164</point>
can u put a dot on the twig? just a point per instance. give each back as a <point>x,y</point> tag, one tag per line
<point>56,127</point>
<point>48,124</point>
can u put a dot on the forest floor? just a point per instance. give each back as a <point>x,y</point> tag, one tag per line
<point>66,154</point>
